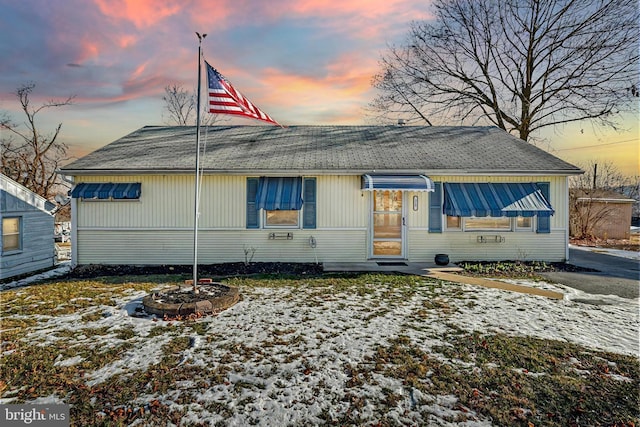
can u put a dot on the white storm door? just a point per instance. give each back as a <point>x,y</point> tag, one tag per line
<point>387,224</point>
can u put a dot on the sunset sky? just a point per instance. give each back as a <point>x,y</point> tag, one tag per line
<point>303,62</point>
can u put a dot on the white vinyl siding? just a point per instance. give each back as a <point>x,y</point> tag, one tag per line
<point>176,246</point>
<point>158,229</point>
<point>523,245</point>
<point>423,246</point>
<point>341,203</point>
<point>418,218</point>
<point>166,201</point>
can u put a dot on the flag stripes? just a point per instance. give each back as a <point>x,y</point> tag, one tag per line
<point>225,99</point>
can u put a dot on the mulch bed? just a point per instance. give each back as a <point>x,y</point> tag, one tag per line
<point>186,295</point>
<point>507,269</point>
<point>218,271</point>
<point>209,271</point>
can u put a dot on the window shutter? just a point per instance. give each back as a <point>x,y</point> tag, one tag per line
<point>253,217</point>
<point>544,222</point>
<point>435,209</point>
<point>309,203</point>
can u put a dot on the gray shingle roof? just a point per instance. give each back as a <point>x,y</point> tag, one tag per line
<point>322,150</point>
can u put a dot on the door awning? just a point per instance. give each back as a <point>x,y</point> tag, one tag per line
<point>397,182</point>
<point>279,193</point>
<point>107,190</point>
<point>495,199</point>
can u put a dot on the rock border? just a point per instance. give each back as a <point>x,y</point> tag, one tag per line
<point>153,304</point>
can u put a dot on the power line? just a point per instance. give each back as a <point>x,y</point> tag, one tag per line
<point>597,145</point>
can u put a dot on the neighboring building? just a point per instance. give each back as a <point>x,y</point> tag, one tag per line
<point>325,193</point>
<point>601,214</point>
<point>27,230</point>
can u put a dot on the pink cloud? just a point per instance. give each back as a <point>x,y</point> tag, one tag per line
<point>213,14</point>
<point>126,40</point>
<point>142,13</point>
<point>122,50</point>
<point>339,97</point>
<point>139,70</point>
<point>352,71</point>
<point>137,86</point>
<point>367,8</point>
<point>360,18</point>
<point>88,49</point>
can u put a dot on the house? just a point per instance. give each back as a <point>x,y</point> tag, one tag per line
<point>27,230</point>
<point>599,213</point>
<point>319,193</point>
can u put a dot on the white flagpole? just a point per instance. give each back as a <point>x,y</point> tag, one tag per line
<point>197,174</point>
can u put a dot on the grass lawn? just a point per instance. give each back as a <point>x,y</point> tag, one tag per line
<point>336,350</point>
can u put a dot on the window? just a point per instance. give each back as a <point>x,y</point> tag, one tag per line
<point>11,238</point>
<point>281,202</point>
<point>524,223</point>
<point>488,223</point>
<point>288,218</point>
<point>458,223</point>
<point>481,206</point>
<point>454,222</point>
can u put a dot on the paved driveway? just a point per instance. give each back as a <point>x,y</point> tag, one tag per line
<point>617,275</point>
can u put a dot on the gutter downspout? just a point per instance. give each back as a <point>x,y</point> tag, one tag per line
<point>566,218</point>
<point>74,233</point>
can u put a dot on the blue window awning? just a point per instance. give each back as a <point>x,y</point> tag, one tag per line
<point>107,190</point>
<point>397,182</point>
<point>279,193</point>
<point>495,199</point>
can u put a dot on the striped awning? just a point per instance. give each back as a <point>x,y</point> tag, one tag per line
<point>107,190</point>
<point>279,193</point>
<point>397,182</point>
<point>495,199</point>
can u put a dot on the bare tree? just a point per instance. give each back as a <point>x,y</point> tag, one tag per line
<point>180,107</point>
<point>29,156</point>
<point>600,181</point>
<point>586,213</point>
<point>600,176</point>
<point>520,65</point>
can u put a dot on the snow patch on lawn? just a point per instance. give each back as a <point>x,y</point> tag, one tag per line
<point>613,326</point>
<point>68,362</point>
<point>62,269</point>
<point>287,355</point>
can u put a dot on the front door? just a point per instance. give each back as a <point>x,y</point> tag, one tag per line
<point>387,224</point>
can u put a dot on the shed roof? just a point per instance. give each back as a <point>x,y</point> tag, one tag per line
<point>601,195</point>
<point>21,192</point>
<point>322,150</point>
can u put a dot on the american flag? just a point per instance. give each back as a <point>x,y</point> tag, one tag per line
<point>225,99</point>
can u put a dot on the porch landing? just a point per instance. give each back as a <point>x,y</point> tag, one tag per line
<point>432,270</point>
